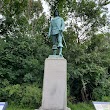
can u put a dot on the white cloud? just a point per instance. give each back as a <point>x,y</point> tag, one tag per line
<point>46,8</point>
<point>1,16</point>
<point>108,6</point>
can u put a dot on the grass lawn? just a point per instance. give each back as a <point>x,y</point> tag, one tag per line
<point>79,106</point>
<point>14,107</point>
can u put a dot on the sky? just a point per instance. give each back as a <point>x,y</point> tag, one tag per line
<point>46,8</point>
<point>108,6</point>
<point>0,16</point>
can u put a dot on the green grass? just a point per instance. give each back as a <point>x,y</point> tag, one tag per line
<point>14,107</point>
<point>79,106</point>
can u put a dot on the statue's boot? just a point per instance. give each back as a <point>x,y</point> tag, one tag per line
<point>54,48</point>
<point>60,51</point>
<point>54,52</point>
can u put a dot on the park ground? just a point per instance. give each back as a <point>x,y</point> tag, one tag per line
<point>79,106</point>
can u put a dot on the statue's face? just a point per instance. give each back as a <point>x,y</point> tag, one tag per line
<point>56,13</point>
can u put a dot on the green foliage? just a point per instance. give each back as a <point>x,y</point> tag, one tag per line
<point>14,107</point>
<point>23,51</point>
<point>21,61</point>
<point>102,92</point>
<point>23,95</point>
<point>88,65</point>
<point>81,106</point>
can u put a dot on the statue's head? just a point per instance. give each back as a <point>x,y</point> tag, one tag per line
<point>56,13</point>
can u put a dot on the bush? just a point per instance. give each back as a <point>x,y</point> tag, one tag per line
<point>102,92</point>
<point>23,95</point>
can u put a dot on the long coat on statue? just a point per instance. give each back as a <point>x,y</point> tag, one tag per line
<point>56,25</point>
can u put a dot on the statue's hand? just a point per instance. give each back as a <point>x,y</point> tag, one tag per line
<point>60,31</point>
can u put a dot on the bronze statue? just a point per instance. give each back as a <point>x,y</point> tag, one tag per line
<point>56,32</point>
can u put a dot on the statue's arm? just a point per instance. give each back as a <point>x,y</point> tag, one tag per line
<point>63,24</point>
<point>49,30</point>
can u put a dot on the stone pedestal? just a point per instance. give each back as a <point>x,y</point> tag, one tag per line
<point>55,84</point>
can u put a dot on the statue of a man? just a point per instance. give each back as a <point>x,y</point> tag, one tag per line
<point>56,32</point>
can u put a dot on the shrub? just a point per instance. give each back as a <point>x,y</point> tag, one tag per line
<point>23,95</point>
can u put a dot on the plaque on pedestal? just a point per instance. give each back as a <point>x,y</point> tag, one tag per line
<point>102,105</point>
<point>3,105</point>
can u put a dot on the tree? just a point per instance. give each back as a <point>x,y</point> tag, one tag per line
<point>23,48</point>
<point>86,60</point>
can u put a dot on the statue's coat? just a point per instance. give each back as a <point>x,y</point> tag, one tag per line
<point>56,25</point>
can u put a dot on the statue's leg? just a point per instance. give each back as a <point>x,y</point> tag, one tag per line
<point>60,51</point>
<point>60,45</point>
<point>54,48</point>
